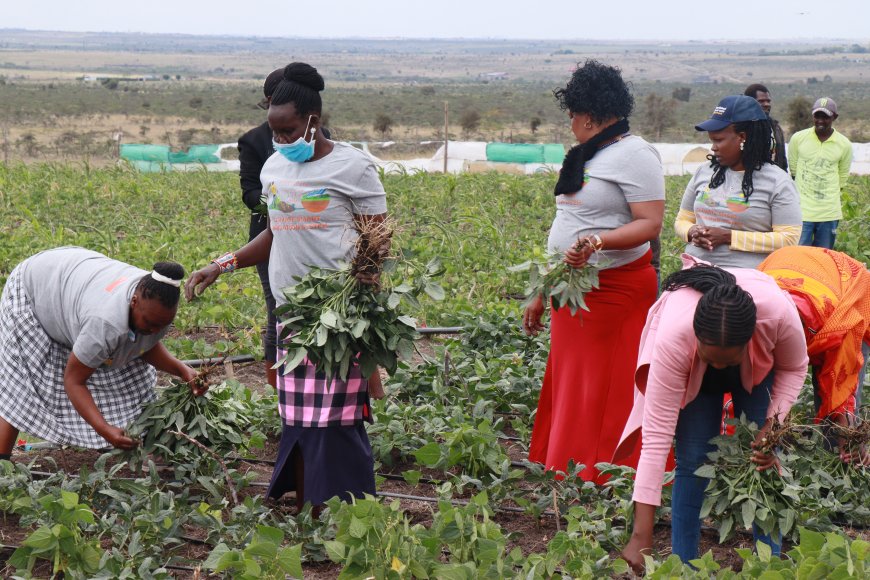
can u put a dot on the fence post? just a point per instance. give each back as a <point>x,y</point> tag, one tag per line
<point>446,136</point>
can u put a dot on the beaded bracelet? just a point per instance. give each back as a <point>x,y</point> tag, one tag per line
<point>597,242</point>
<point>227,263</point>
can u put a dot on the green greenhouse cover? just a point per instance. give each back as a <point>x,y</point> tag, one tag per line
<point>148,156</point>
<point>525,152</point>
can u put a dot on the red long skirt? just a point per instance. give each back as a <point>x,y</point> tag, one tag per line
<point>587,393</point>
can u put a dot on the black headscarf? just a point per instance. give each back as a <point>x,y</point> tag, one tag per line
<point>571,174</point>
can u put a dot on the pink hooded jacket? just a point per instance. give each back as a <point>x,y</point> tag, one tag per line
<point>669,372</point>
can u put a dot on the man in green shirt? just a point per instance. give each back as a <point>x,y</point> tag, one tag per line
<point>819,159</point>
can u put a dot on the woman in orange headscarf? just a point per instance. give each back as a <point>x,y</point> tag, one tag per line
<point>832,295</point>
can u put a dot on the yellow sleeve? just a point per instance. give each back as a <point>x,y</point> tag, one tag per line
<point>765,242</point>
<point>685,220</point>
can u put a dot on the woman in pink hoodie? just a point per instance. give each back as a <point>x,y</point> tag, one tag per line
<point>743,336</point>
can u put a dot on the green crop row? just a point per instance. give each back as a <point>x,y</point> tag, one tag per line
<point>477,224</point>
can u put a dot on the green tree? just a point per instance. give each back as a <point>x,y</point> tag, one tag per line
<point>659,114</point>
<point>29,144</point>
<point>469,121</point>
<point>799,113</point>
<point>383,124</point>
<point>682,94</point>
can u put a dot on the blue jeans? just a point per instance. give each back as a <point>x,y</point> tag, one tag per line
<point>859,398</point>
<point>697,424</point>
<point>819,234</point>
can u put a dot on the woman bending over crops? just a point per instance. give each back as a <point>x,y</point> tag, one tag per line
<point>745,338</point>
<point>741,206</point>
<point>832,295</point>
<point>609,205</point>
<point>79,344</point>
<point>318,194</point>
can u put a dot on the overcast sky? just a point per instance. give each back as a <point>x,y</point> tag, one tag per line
<point>534,19</point>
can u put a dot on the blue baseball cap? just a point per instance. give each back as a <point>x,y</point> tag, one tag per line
<point>733,109</point>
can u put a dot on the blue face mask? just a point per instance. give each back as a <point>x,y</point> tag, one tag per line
<point>300,150</point>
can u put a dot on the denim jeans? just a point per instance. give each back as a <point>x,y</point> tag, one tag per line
<point>819,234</point>
<point>697,424</point>
<point>859,397</point>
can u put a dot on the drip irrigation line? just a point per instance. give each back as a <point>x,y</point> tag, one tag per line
<point>251,460</point>
<point>235,359</point>
<point>505,509</point>
<point>396,477</point>
<point>41,445</point>
<point>391,476</point>
<point>428,330</point>
<point>248,358</point>
<point>180,568</point>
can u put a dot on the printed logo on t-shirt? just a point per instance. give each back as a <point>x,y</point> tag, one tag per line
<point>719,199</point>
<point>115,283</point>
<point>300,201</point>
<point>315,201</point>
<point>717,209</point>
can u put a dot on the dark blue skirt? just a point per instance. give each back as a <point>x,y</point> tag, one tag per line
<point>337,461</point>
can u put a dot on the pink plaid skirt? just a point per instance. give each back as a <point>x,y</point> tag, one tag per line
<point>307,398</point>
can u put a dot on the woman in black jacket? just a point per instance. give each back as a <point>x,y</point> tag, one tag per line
<point>255,147</point>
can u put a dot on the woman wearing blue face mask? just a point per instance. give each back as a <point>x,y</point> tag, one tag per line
<point>317,191</point>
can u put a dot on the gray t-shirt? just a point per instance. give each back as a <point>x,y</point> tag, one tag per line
<point>774,202</point>
<point>311,208</point>
<point>82,300</point>
<point>628,171</point>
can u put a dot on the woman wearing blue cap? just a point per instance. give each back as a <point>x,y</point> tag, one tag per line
<point>741,206</point>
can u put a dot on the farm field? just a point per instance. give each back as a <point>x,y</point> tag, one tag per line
<point>458,498</point>
<point>205,89</point>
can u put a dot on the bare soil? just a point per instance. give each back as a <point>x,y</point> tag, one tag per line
<point>528,533</point>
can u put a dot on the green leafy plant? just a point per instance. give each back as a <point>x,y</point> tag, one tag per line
<point>264,557</point>
<point>338,322</point>
<point>574,555</point>
<point>378,541</point>
<point>739,494</point>
<point>62,541</point>
<point>474,543</point>
<point>559,284</point>
<point>220,419</point>
<point>474,447</point>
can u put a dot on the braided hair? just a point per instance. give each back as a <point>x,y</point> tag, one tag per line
<point>725,315</point>
<point>167,294</point>
<point>301,85</point>
<point>756,152</point>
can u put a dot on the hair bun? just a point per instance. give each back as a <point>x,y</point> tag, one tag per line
<point>170,270</point>
<point>305,75</point>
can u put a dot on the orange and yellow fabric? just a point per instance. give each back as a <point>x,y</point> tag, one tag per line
<point>832,294</point>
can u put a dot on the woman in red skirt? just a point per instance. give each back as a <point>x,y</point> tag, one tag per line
<point>609,205</point>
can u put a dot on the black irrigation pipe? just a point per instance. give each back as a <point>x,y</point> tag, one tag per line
<point>4,548</point>
<point>392,476</point>
<point>235,359</point>
<point>457,502</point>
<point>246,358</point>
<point>180,568</point>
